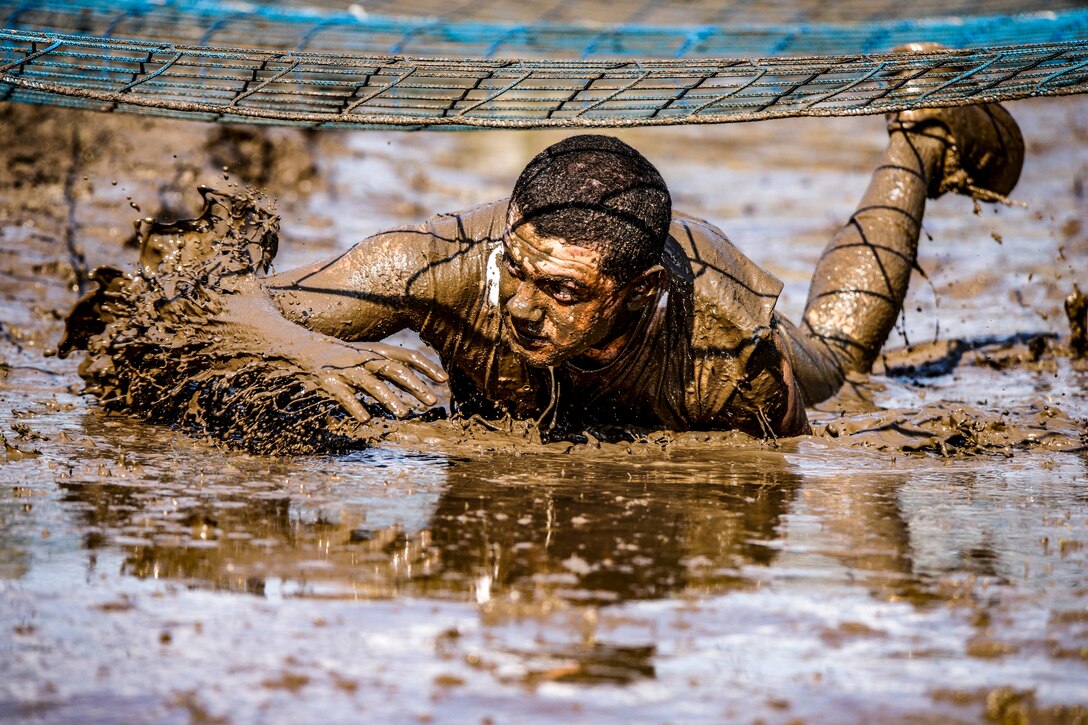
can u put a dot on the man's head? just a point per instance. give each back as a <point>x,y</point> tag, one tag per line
<point>589,217</point>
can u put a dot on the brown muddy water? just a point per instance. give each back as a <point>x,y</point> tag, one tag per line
<point>146,575</point>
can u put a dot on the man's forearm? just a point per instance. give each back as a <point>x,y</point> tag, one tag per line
<point>253,318</point>
<point>376,288</point>
<point>250,321</point>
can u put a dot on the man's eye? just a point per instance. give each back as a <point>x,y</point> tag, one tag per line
<point>564,293</point>
<point>510,268</point>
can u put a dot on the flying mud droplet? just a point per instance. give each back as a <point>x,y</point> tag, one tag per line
<point>1076,309</point>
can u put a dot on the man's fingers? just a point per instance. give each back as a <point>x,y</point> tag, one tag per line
<point>378,390</point>
<point>404,378</point>
<point>344,395</point>
<point>383,367</point>
<point>413,359</point>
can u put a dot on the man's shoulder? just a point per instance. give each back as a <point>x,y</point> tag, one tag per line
<point>737,374</point>
<point>480,223</point>
<point>451,247</point>
<point>443,258</point>
<point>728,286</point>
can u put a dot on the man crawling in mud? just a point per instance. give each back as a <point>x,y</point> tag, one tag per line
<point>583,300</point>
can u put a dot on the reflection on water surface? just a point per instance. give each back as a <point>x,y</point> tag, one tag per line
<point>526,526</point>
<point>759,562</point>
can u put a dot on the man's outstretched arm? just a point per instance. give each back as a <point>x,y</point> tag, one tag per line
<point>252,321</point>
<point>420,278</point>
<point>378,287</point>
<point>382,285</point>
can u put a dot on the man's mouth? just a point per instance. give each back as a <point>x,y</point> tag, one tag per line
<point>527,336</point>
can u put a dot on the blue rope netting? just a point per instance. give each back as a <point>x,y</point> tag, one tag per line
<point>533,63</point>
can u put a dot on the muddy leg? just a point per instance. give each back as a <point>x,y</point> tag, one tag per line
<point>861,279</point>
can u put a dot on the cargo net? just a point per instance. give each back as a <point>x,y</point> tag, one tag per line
<point>532,64</point>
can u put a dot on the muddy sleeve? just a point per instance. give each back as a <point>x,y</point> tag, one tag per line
<point>754,390</point>
<point>388,282</point>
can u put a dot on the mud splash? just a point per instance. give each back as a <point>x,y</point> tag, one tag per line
<point>153,348</point>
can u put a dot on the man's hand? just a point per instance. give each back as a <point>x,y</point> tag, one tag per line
<point>376,369</point>
<point>250,321</point>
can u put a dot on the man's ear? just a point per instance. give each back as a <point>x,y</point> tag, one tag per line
<point>642,290</point>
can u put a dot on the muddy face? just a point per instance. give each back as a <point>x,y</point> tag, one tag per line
<point>556,301</point>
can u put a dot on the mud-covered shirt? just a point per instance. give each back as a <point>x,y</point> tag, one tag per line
<point>707,355</point>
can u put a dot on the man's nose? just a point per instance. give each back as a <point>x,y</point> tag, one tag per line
<point>522,306</point>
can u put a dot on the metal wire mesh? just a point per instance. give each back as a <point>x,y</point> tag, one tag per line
<point>283,82</point>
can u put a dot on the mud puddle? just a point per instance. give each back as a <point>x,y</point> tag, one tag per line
<point>147,575</point>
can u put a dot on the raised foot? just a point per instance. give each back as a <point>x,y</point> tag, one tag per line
<point>984,150</point>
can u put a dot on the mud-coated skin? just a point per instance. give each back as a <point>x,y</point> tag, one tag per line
<point>708,354</point>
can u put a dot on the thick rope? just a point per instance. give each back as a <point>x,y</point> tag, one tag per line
<point>341,90</point>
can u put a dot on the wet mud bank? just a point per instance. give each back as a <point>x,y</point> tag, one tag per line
<point>922,558</point>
